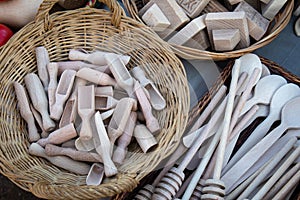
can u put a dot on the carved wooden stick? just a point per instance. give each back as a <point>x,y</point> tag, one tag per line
<point>52,70</point>
<point>60,161</point>
<point>124,139</point>
<point>151,121</point>
<point>96,57</point>
<point>86,108</point>
<point>97,77</point>
<point>59,136</point>
<point>105,148</point>
<point>39,99</point>
<point>53,150</point>
<point>42,59</point>
<point>25,112</point>
<point>77,65</point>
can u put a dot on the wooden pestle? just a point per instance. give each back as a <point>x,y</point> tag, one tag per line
<point>59,135</point>
<point>25,112</point>
<point>97,77</point>
<point>42,59</point>
<point>151,121</point>
<point>62,93</point>
<point>97,57</point>
<point>60,161</point>
<point>39,99</point>
<point>52,70</point>
<point>53,150</point>
<point>124,139</point>
<point>86,108</point>
<point>119,118</point>
<point>77,65</point>
<point>120,72</point>
<point>105,147</point>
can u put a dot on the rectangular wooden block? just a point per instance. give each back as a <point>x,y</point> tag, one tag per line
<point>214,6</point>
<point>192,8</point>
<point>155,18</point>
<point>172,11</point>
<point>271,9</point>
<point>225,39</point>
<point>229,20</point>
<point>199,41</point>
<point>257,24</point>
<point>189,31</point>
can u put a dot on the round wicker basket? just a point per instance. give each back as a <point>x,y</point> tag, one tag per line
<point>276,26</point>
<point>89,29</point>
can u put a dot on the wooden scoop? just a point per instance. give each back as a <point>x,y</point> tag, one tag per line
<point>52,70</point>
<point>94,76</point>
<point>156,99</point>
<point>104,102</point>
<point>60,161</point>
<point>62,93</point>
<point>26,113</point>
<point>96,57</point>
<point>86,108</point>
<point>42,59</point>
<point>77,65</point>
<point>95,174</point>
<point>39,99</point>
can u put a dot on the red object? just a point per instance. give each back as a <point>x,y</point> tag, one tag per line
<point>5,34</point>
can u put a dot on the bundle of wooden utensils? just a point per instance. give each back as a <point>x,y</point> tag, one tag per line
<point>82,114</point>
<point>203,24</point>
<point>266,166</point>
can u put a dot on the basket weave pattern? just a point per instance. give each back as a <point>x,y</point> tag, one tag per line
<point>89,29</point>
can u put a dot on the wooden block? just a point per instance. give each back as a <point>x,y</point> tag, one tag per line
<point>189,31</point>
<point>257,24</point>
<point>192,7</point>
<point>214,6</point>
<point>229,20</point>
<point>225,39</point>
<point>270,10</point>
<point>155,18</point>
<point>172,11</point>
<point>199,41</point>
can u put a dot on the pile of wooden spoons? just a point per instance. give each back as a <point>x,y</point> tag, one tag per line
<point>83,113</point>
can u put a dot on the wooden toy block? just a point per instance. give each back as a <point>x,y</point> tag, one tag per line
<point>96,57</point>
<point>59,136</point>
<point>95,76</point>
<point>95,174</point>
<point>60,161</point>
<point>189,31</point>
<point>77,65</point>
<point>54,150</point>
<point>214,6</point>
<point>257,24</point>
<point>271,9</point>
<point>144,137</point>
<point>25,112</point>
<point>86,108</point>
<point>52,70</point>
<point>172,11</point>
<point>62,93</point>
<point>39,99</point>
<point>229,20</point>
<point>199,41</point>
<point>225,39</point>
<point>193,7</point>
<point>155,18</point>
<point>42,59</point>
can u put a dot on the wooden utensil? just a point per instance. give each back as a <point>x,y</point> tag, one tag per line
<point>60,161</point>
<point>77,65</point>
<point>95,174</point>
<point>26,113</point>
<point>95,76</point>
<point>52,70</point>
<point>104,102</point>
<point>39,99</point>
<point>42,60</point>
<point>289,120</point>
<point>144,137</point>
<point>86,108</point>
<point>84,145</point>
<point>62,93</point>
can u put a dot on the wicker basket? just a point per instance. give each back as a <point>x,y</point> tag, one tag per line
<point>89,29</point>
<point>277,25</point>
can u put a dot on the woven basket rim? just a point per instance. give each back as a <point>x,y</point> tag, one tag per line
<point>128,180</point>
<point>281,21</point>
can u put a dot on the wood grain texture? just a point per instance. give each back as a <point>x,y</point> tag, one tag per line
<point>192,7</point>
<point>271,9</point>
<point>225,39</point>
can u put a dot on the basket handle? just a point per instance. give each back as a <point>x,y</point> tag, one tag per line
<point>113,5</point>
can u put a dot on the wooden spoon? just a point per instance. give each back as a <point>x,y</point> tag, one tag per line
<point>289,119</point>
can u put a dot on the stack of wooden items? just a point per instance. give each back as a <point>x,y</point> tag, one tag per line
<point>267,164</point>
<point>86,111</point>
<point>210,24</point>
